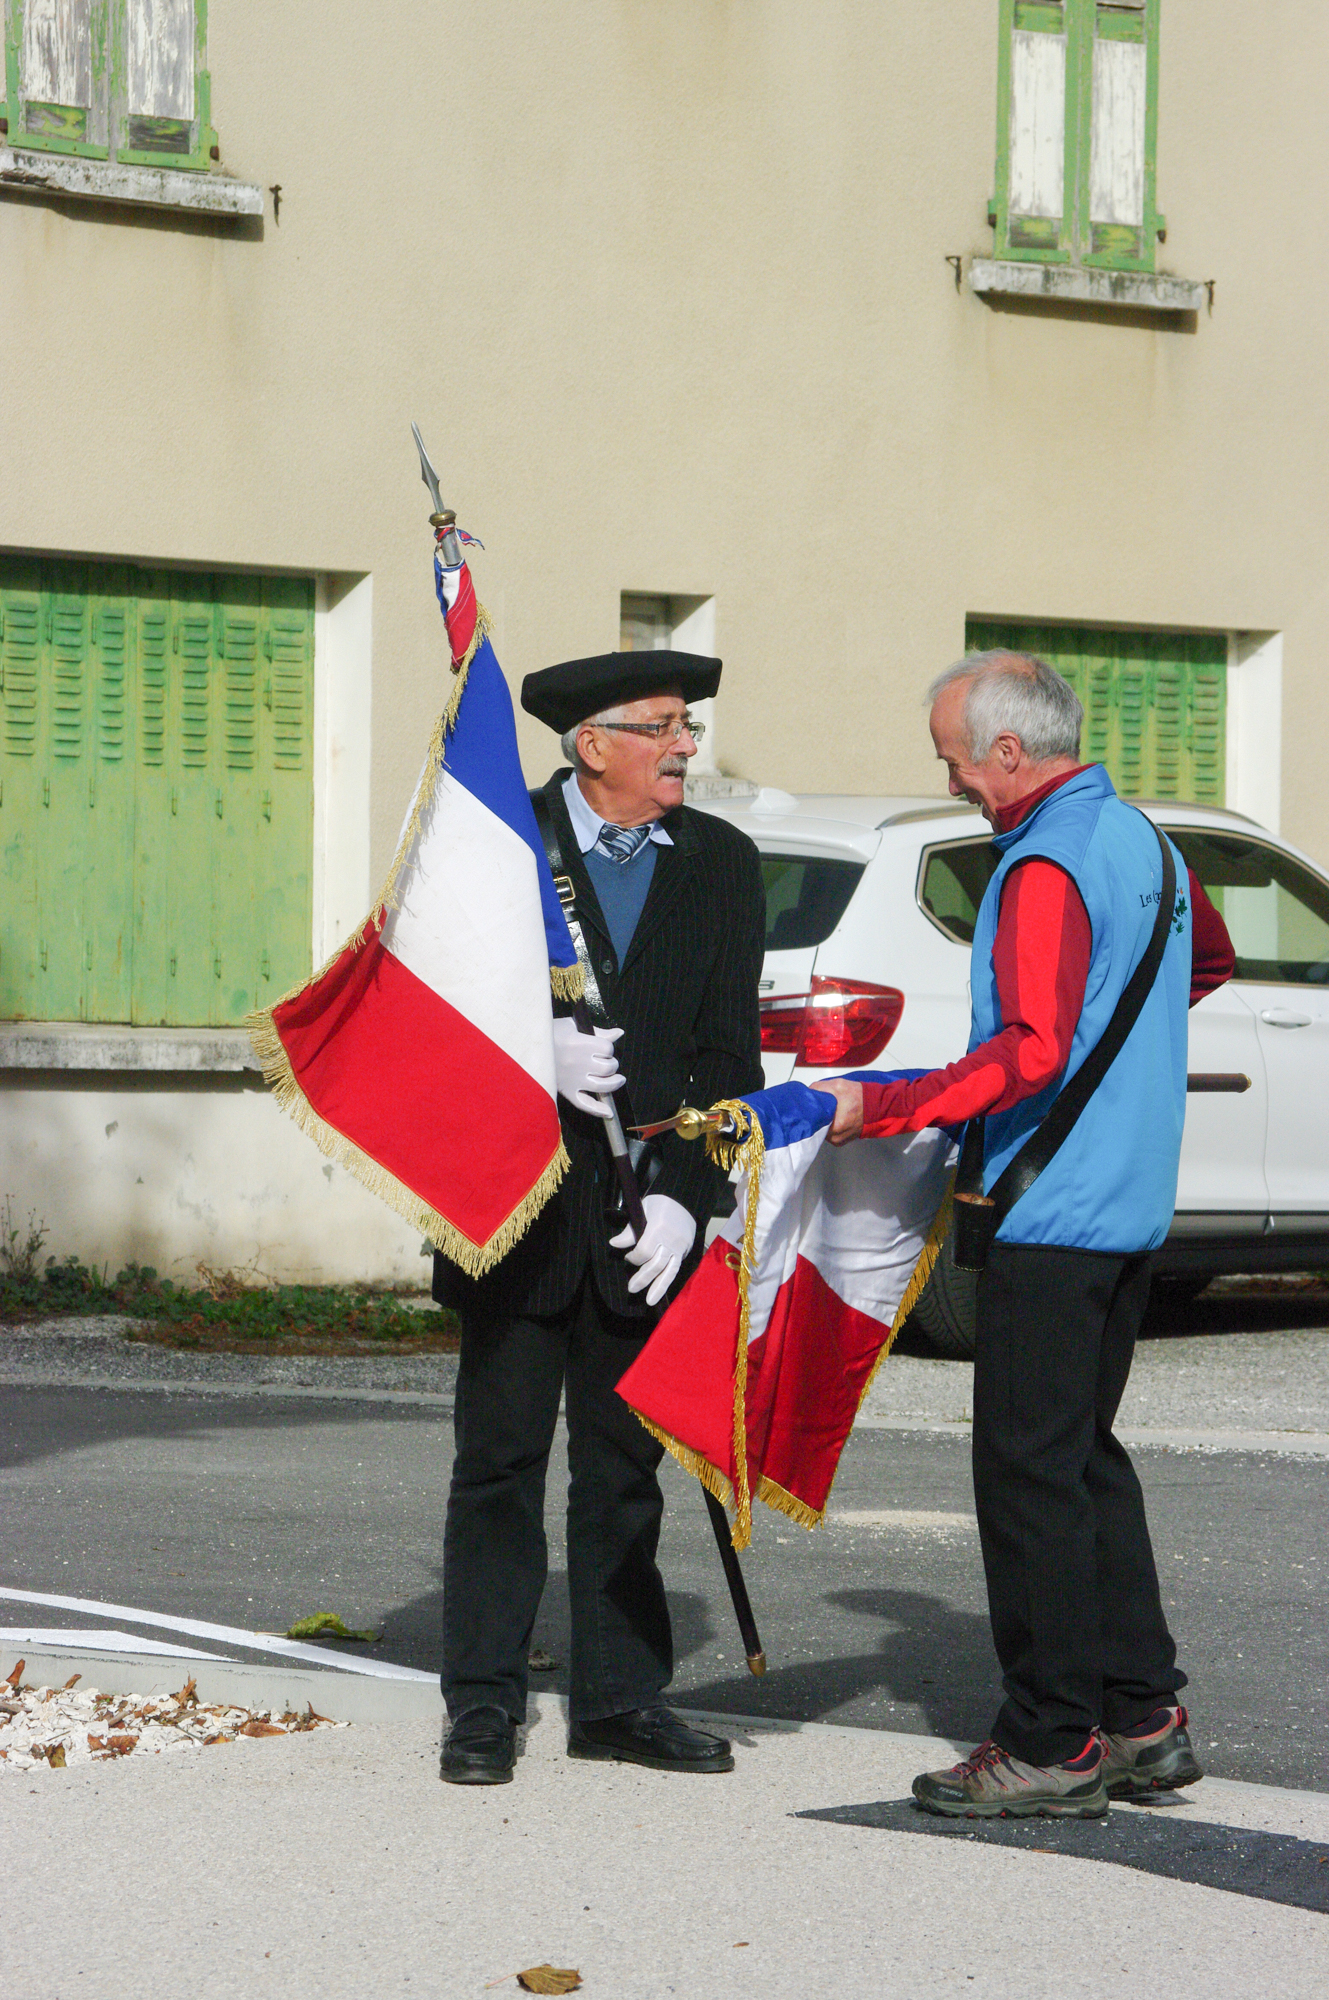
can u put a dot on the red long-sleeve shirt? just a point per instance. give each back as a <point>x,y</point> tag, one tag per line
<point>1040,956</point>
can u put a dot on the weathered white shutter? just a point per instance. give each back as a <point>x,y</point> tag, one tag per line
<point>1036,137</point>
<point>1119,96</point>
<point>56,74</point>
<point>160,42</point>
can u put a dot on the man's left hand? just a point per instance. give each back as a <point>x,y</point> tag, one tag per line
<point>669,1234</point>
<point>848,1122</point>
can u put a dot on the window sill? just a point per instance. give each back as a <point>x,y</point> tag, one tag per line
<point>151,187</point>
<point>73,1045</point>
<point>1085,284</point>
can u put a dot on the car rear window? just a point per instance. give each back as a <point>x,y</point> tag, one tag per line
<point>951,885</point>
<point>806,896</point>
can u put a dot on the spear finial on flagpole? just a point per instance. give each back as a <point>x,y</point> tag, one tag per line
<point>442,517</point>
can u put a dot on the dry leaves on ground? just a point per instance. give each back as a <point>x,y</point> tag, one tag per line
<point>549,1979</point>
<point>58,1727</point>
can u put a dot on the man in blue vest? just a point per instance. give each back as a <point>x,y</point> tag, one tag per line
<point>1088,1664</point>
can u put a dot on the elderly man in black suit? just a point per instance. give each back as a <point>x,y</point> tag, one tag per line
<point>672,910</point>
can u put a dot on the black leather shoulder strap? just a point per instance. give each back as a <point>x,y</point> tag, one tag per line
<point>1043,1144</point>
<point>567,896</point>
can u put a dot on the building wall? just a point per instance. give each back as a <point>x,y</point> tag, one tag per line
<point>666,289</point>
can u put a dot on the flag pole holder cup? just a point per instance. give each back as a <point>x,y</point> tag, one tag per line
<point>975,1226</point>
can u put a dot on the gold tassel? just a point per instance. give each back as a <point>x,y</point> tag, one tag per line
<point>567,982</point>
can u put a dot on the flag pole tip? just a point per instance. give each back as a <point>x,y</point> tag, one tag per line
<point>757,1664</point>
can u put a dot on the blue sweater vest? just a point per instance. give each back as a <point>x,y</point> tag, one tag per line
<point>620,888</point>
<point>1113,1185</point>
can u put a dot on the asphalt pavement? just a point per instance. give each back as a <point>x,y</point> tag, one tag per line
<point>252,1494</point>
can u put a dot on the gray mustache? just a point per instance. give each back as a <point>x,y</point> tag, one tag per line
<point>673,767</point>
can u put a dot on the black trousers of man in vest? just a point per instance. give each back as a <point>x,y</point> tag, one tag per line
<point>512,1370</point>
<point>1073,1593</point>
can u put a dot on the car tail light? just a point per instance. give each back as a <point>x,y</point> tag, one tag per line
<point>839,1023</point>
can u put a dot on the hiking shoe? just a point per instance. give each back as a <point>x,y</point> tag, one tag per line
<point>994,1785</point>
<point>1155,1756</point>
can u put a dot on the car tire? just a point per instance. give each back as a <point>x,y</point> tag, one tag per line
<point>947,1310</point>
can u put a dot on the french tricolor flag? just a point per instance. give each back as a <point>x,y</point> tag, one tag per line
<point>754,1376</point>
<point>422,1055</point>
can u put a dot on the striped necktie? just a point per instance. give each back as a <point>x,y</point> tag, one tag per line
<point>620,843</point>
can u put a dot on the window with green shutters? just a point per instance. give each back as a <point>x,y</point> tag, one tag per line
<point>1077,126</point>
<point>156,792</point>
<point>110,79</point>
<point>1155,703</point>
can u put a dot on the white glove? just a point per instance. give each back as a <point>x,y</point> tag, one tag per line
<point>668,1236</point>
<point>586,1066</point>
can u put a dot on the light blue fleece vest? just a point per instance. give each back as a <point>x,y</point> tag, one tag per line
<point>1113,1185</point>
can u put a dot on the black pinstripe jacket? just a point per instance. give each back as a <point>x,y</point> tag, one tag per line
<point>686,998</point>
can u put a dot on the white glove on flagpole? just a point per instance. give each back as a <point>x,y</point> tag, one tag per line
<point>669,1234</point>
<point>586,1066</point>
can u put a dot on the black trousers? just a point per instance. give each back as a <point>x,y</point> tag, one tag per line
<point>495,1556</point>
<point>1072,1589</point>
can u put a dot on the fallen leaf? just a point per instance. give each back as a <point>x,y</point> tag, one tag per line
<point>312,1715</point>
<point>327,1622</point>
<point>541,1662</point>
<point>12,1680</point>
<point>549,1979</point>
<point>188,1695</point>
<point>73,1681</point>
<point>256,1728</point>
<point>55,1756</point>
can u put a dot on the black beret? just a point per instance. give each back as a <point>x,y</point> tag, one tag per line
<point>565,695</point>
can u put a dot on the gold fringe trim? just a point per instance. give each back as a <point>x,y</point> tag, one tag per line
<point>691,1461</point>
<point>567,982</point>
<point>473,1258</point>
<point>788,1503</point>
<point>746,1148</point>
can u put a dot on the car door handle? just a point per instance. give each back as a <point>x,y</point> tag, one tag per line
<point>1283,1017</point>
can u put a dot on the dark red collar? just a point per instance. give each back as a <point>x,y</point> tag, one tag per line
<point>1011,816</point>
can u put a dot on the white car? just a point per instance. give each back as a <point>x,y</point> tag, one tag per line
<point>869,917</point>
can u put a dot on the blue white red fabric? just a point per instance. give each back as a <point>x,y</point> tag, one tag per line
<point>422,1055</point>
<point>839,1237</point>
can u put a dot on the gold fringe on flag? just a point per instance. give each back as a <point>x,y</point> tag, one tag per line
<point>473,1258</point>
<point>745,1148</point>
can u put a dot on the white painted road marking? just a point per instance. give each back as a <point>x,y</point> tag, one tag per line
<point>232,1635</point>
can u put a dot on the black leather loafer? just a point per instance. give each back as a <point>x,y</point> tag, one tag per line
<point>480,1748</point>
<point>654,1737</point>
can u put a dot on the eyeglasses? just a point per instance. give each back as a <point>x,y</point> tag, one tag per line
<point>670,730</point>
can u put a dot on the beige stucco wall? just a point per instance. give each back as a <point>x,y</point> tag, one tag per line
<point>665,287</point>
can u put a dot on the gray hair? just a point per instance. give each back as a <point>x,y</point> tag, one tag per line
<point>567,742</point>
<point>1019,694</point>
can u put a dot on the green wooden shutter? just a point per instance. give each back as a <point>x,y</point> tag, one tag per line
<point>165,92</point>
<point>56,76</point>
<point>1077,125</point>
<point>156,792</point>
<point>1155,702</point>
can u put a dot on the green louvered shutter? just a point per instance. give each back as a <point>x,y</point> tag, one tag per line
<point>1155,702</point>
<point>156,792</point>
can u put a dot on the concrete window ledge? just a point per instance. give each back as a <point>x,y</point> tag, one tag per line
<point>1137,290</point>
<point>70,1045</point>
<point>103,180</point>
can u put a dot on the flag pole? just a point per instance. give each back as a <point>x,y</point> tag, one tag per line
<point>724,1541</point>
